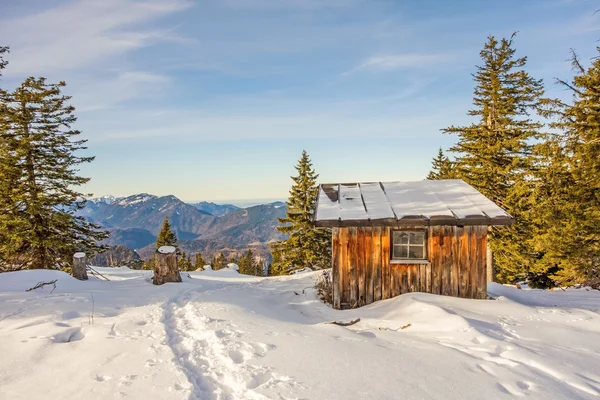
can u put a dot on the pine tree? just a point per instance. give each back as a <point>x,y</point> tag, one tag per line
<point>38,175</point>
<point>554,215</point>
<point>3,62</point>
<point>306,246</point>
<point>166,237</point>
<point>572,219</point>
<point>199,262</point>
<point>244,264</point>
<point>219,262</point>
<point>441,167</point>
<point>496,154</point>
<point>184,263</point>
<point>250,265</point>
<point>148,264</point>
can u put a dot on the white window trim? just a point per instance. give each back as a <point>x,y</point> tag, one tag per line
<point>424,260</point>
<point>405,261</point>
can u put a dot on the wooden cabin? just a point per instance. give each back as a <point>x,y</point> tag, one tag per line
<point>391,238</point>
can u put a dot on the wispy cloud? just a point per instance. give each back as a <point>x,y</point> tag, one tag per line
<point>281,4</point>
<point>392,62</point>
<point>83,33</point>
<point>115,88</point>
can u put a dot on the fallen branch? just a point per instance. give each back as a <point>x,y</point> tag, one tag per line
<point>95,273</point>
<point>42,284</point>
<point>395,330</point>
<point>344,323</point>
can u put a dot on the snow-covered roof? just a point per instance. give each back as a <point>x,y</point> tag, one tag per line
<point>428,202</point>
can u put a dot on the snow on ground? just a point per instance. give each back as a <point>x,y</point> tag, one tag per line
<point>221,335</point>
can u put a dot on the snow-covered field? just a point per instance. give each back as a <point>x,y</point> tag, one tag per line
<point>221,335</point>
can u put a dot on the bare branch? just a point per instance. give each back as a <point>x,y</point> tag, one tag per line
<point>344,323</point>
<point>42,284</point>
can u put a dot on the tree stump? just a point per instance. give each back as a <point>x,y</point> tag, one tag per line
<point>79,266</point>
<point>165,266</point>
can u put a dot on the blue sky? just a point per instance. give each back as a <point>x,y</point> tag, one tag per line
<point>215,99</point>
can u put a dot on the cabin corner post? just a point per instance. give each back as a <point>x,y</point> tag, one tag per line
<point>335,268</point>
<point>491,273</point>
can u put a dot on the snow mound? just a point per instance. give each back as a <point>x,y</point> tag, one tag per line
<point>421,315</point>
<point>233,266</point>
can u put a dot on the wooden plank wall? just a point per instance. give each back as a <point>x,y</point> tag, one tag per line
<point>363,273</point>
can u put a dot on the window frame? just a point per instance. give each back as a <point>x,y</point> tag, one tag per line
<point>407,245</point>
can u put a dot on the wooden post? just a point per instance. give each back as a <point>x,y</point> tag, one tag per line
<point>79,266</point>
<point>489,261</point>
<point>165,266</point>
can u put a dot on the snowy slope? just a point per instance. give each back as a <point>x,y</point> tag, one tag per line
<point>221,335</point>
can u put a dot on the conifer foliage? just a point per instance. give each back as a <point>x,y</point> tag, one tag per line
<point>184,263</point>
<point>219,262</point>
<point>166,237</point>
<point>441,167</point>
<point>199,262</point>
<point>250,264</point>
<point>306,246</point>
<point>570,216</point>
<point>39,177</point>
<point>496,154</point>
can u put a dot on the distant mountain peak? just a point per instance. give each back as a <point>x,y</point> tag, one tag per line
<point>136,199</point>
<point>106,199</point>
<point>218,210</point>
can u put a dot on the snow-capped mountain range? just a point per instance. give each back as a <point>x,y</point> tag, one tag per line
<point>134,221</point>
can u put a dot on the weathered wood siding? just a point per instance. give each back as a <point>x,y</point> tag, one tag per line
<point>363,273</point>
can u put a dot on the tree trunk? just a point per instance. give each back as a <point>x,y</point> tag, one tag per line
<point>79,265</point>
<point>165,266</point>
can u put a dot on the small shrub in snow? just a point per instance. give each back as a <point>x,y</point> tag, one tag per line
<point>324,287</point>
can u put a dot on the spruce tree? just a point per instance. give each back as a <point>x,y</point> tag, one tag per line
<point>3,62</point>
<point>219,262</point>
<point>441,167</point>
<point>306,246</point>
<point>250,265</point>
<point>199,262</point>
<point>572,219</point>
<point>166,237</point>
<point>496,154</point>
<point>184,263</point>
<point>39,177</point>
<point>243,264</point>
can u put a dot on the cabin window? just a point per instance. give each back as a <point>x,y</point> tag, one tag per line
<point>408,245</point>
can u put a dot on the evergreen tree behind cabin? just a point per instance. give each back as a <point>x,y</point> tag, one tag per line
<point>166,237</point>
<point>38,178</point>
<point>572,220</point>
<point>306,246</point>
<point>496,154</point>
<point>441,167</point>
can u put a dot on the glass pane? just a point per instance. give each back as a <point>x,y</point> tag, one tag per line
<point>400,238</point>
<point>417,238</point>
<point>416,252</point>
<point>400,251</point>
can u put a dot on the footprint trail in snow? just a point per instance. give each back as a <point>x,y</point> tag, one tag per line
<point>213,354</point>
